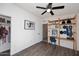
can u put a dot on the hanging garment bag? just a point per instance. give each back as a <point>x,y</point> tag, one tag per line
<point>53,41</point>
<point>69,31</point>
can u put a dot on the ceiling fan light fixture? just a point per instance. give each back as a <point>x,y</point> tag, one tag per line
<point>48,10</point>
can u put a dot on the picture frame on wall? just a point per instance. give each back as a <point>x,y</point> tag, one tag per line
<point>29,25</point>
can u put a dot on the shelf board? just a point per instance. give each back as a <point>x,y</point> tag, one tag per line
<point>66,39</point>
<point>62,38</point>
<point>62,20</point>
<point>62,24</point>
<point>4,23</point>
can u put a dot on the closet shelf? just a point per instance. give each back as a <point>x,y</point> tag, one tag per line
<point>66,39</point>
<point>61,38</point>
<point>62,24</point>
<point>4,24</point>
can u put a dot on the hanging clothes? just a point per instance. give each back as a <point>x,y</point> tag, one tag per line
<point>54,32</point>
<point>69,31</point>
<point>53,41</point>
<point>3,33</point>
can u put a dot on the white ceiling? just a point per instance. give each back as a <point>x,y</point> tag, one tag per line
<point>70,8</point>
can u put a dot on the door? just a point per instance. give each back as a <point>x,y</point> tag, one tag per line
<point>45,32</point>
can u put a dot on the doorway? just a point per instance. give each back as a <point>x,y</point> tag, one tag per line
<point>45,32</point>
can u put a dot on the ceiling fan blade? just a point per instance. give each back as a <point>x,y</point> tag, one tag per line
<point>40,7</point>
<point>49,5</point>
<point>51,13</point>
<point>43,12</point>
<point>59,7</point>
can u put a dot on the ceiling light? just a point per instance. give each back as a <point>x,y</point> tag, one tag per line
<point>48,10</point>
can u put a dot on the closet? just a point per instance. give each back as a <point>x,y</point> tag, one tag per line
<point>5,33</point>
<point>63,29</point>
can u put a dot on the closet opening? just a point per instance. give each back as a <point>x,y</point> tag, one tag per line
<point>5,35</point>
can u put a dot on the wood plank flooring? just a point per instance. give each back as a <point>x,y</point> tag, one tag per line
<point>45,49</point>
<point>5,53</point>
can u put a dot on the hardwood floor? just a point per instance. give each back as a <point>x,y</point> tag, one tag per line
<point>5,53</point>
<point>45,49</point>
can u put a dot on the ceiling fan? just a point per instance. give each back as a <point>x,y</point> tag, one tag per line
<point>49,8</point>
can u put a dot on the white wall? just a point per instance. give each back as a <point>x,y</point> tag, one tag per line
<point>20,38</point>
<point>64,43</point>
